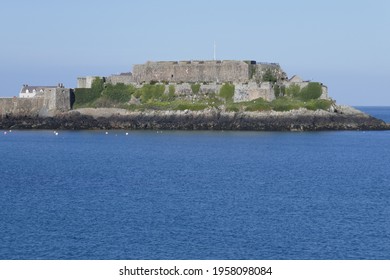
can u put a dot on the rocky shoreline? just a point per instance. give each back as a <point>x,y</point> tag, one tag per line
<point>344,118</point>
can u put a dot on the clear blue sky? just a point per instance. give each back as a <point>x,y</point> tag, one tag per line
<point>344,44</point>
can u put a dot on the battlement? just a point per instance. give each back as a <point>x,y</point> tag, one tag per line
<point>193,71</point>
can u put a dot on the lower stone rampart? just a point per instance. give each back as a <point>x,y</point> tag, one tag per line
<point>252,90</point>
<point>243,91</point>
<point>21,106</point>
<point>126,79</point>
<point>49,103</point>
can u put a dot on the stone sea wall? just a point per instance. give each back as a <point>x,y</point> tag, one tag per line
<point>49,103</point>
<point>20,106</point>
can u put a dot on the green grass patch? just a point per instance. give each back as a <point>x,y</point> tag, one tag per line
<point>227,92</point>
<point>233,107</point>
<point>195,88</point>
<point>286,104</point>
<point>318,104</point>
<point>256,105</point>
<point>150,92</point>
<point>120,93</point>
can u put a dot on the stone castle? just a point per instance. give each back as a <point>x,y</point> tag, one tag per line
<point>250,78</point>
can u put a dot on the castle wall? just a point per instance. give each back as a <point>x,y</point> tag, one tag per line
<point>57,100</point>
<point>260,69</point>
<point>20,106</point>
<point>117,79</point>
<point>252,90</point>
<point>49,103</point>
<point>191,71</point>
<point>184,89</point>
<point>85,82</point>
<point>243,91</point>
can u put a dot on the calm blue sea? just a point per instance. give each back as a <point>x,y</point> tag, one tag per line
<point>195,195</point>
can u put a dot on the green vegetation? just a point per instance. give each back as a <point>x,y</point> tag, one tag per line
<point>269,76</point>
<point>171,93</point>
<point>283,104</point>
<point>195,88</point>
<point>252,70</point>
<point>120,93</point>
<point>233,107</point>
<point>153,96</point>
<point>86,96</point>
<point>316,104</point>
<point>309,92</point>
<point>227,92</point>
<point>151,92</point>
<point>293,90</point>
<point>256,105</point>
<point>286,104</point>
<point>172,90</point>
<point>168,105</point>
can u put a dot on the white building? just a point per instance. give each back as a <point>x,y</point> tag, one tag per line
<point>31,91</point>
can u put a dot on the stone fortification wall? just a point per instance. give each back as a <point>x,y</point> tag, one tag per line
<point>192,71</point>
<point>259,70</point>
<point>126,78</point>
<point>56,101</point>
<point>242,91</point>
<point>85,82</point>
<point>252,90</point>
<point>184,89</point>
<point>48,103</point>
<point>20,106</point>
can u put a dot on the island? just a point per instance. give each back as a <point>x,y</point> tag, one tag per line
<point>186,95</point>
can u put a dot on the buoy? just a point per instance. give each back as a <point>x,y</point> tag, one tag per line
<point>56,133</point>
<point>106,132</point>
<point>127,133</point>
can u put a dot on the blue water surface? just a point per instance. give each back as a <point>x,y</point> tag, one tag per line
<point>194,195</point>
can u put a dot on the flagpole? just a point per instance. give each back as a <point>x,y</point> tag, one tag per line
<point>215,50</point>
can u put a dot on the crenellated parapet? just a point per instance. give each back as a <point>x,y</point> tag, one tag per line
<point>222,71</point>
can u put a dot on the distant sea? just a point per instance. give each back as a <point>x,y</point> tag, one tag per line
<point>195,194</point>
<point>380,112</point>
